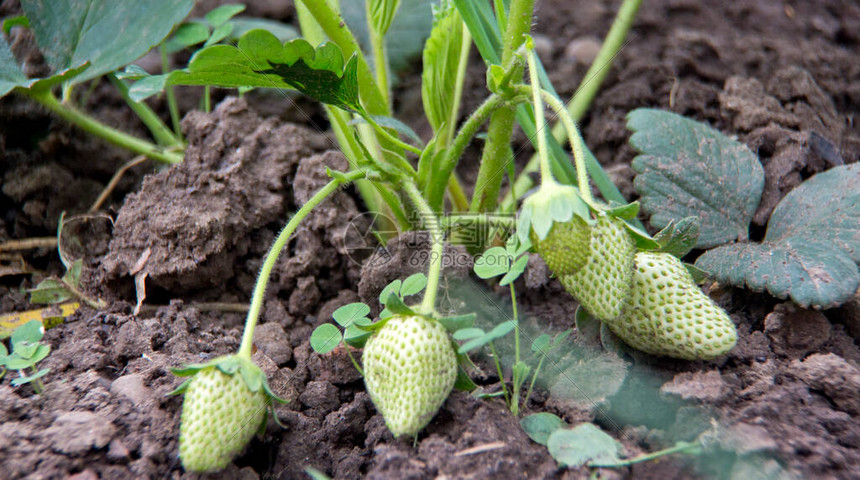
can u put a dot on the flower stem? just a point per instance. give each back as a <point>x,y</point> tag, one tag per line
<point>112,135</point>
<point>379,60</point>
<point>431,221</point>
<point>172,105</point>
<point>575,145</point>
<point>540,120</point>
<point>275,251</point>
<point>162,134</point>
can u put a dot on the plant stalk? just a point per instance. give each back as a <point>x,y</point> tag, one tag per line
<point>499,133</point>
<point>275,251</point>
<point>380,61</point>
<point>112,135</point>
<point>431,221</point>
<point>172,106</point>
<point>162,134</point>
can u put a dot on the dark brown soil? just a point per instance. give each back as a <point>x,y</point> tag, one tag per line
<point>782,77</point>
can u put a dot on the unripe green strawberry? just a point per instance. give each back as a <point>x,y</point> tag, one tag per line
<point>565,248</point>
<point>669,315</point>
<point>220,414</point>
<point>603,284</point>
<point>409,370</point>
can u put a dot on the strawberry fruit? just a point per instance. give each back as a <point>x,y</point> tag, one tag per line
<point>603,284</point>
<point>409,369</point>
<point>667,314</point>
<point>565,248</point>
<point>226,402</point>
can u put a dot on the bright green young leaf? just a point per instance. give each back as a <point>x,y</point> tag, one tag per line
<point>441,60</point>
<point>41,352</point>
<point>688,169</point>
<point>348,314</point>
<point>396,306</point>
<point>220,15</point>
<point>468,333</point>
<point>356,334</point>
<point>219,34</point>
<point>392,123</point>
<point>626,212</point>
<point>25,339</point>
<point>539,426</point>
<point>678,238</point>
<point>516,270</point>
<point>73,274</point>
<point>106,33</point>
<point>498,331</point>
<point>583,445</point>
<point>811,248</point>
<point>381,13</point>
<point>3,352</point>
<point>325,338</point>
<point>541,344</point>
<point>413,284</point>
<point>458,322</point>
<point>187,35</point>
<point>244,25</point>
<point>494,262</point>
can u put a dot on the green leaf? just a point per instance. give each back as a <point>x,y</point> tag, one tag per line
<point>11,75</point>
<point>3,352</point>
<point>463,382</point>
<point>611,342</point>
<point>51,291</point>
<point>381,14</point>
<point>406,35</point>
<point>391,288</point>
<point>541,344</point>
<point>316,474</point>
<point>23,380</point>
<point>688,169</point>
<point>357,333</point>
<point>188,34</point>
<point>678,238</point>
<point>73,274</point>
<point>348,314</point>
<point>220,15</point>
<point>441,59</point>
<point>587,327</point>
<point>242,26</point>
<point>396,306</point>
<point>499,331</point>
<point>468,333</point>
<point>219,34</point>
<point>582,445</point>
<point>106,33</point>
<point>413,284</point>
<point>494,262</point>
<point>41,352</point>
<point>181,388</point>
<point>516,270</point>
<point>539,426</point>
<point>25,338</point>
<point>325,338</point>
<point>458,322</point>
<point>260,60</point>
<point>810,273</point>
<point>811,247</point>
<point>17,362</point>
<point>625,212</point>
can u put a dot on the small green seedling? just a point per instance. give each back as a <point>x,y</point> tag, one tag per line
<point>27,351</point>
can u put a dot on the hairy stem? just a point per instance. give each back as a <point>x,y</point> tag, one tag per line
<point>112,135</point>
<point>431,221</point>
<point>543,148</point>
<point>275,252</point>
<point>159,131</point>
<point>499,133</point>
<point>172,106</point>
<point>380,62</point>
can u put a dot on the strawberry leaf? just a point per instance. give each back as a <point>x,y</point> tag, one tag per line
<point>540,426</point>
<point>811,248</point>
<point>106,33</point>
<point>325,338</point>
<point>688,169</point>
<point>585,444</point>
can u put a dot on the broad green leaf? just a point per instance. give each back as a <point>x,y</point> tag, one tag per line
<point>325,338</point>
<point>391,288</point>
<point>73,274</point>
<point>583,445</point>
<point>809,272</point>
<point>468,333</point>
<point>413,284</point>
<point>17,362</point>
<point>499,331</point>
<point>516,270</point>
<point>106,33</point>
<point>825,207</point>
<point>132,72</point>
<point>541,344</point>
<point>25,339</point>
<point>50,291</point>
<point>381,13</point>
<point>678,238</point>
<point>348,314</point>
<point>591,381</point>
<point>260,60</point>
<point>220,15</point>
<point>3,352</point>
<point>811,247</point>
<point>396,306</point>
<point>406,35</point>
<point>392,123</point>
<point>41,352</point>
<point>688,169</point>
<point>11,75</point>
<point>356,334</point>
<point>219,34</point>
<point>540,426</point>
<point>625,212</point>
<point>463,382</point>
<point>441,58</point>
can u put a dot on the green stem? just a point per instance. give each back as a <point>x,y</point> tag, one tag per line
<point>352,359</point>
<point>379,60</point>
<point>586,92</point>
<point>499,133</point>
<point>436,190</point>
<point>274,253</point>
<point>207,99</point>
<point>543,148</point>
<point>515,397</point>
<point>462,65</point>
<point>534,378</point>
<point>431,221</point>
<point>172,106</point>
<point>575,145</point>
<point>112,135</point>
<point>501,375</point>
<point>162,134</point>
<point>679,448</point>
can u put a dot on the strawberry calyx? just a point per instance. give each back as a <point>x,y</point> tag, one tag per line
<point>553,202</point>
<point>251,374</point>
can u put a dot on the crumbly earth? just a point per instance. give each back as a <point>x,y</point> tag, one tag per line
<point>781,77</point>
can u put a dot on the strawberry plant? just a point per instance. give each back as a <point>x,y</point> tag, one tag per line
<point>26,352</point>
